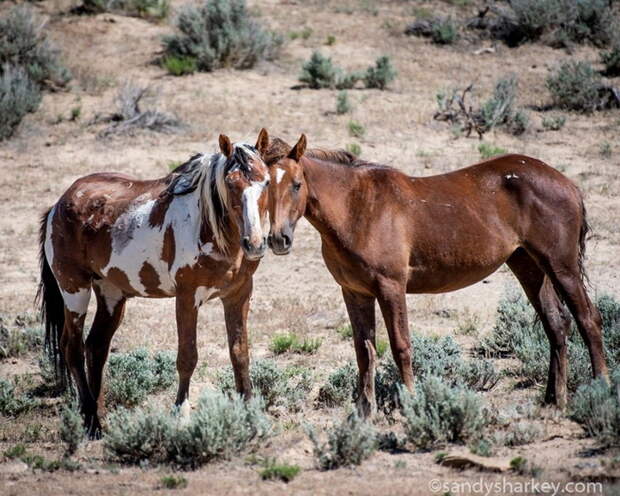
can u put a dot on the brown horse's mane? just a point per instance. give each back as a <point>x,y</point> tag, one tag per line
<point>279,148</point>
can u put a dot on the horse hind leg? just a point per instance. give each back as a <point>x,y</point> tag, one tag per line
<point>110,310</point>
<point>570,285</point>
<point>543,297</point>
<point>71,343</point>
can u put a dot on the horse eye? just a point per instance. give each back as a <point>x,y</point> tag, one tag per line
<point>267,183</point>
<point>296,186</point>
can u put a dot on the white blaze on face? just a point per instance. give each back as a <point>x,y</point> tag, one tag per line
<point>252,222</point>
<point>279,175</point>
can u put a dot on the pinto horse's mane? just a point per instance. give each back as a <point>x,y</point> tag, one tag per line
<point>279,149</point>
<point>207,173</point>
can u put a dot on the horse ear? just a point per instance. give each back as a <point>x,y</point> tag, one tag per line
<point>226,145</point>
<point>299,149</point>
<point>262,142</point>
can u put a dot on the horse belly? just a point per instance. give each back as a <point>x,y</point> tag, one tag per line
<point>445,279</point>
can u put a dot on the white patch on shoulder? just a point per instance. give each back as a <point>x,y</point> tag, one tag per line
<point>279,175</point>
<point>202,295</point>
<point>76,302</point>
<point>48,246</point>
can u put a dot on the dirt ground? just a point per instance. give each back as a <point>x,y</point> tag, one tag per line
<point>50,151</point>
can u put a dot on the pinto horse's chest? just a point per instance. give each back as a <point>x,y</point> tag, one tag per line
<point>154,259</point>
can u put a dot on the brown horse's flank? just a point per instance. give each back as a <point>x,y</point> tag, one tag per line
<point>385,234</point>
<point>194,235</point>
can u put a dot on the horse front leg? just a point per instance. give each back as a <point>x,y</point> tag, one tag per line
<point>393,304</point>
<point>361,310</point>
<point>187,355</point>
<point>236,309</point>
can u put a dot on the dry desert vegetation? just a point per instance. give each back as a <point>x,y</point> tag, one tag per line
<point>482,342</point>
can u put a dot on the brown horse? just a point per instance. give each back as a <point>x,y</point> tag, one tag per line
<point>196,234</point>
<point>385,234</point>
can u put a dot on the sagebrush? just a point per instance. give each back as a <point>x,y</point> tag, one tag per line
<point>220,427</point>
<point>438,414</point>
<point>132,376</point>
<point>220,33</point>
<point>278,387</point>
<point>348,443</point>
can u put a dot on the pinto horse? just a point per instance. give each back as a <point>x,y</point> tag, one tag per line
<point>196,234</point>
<point>385,234</point>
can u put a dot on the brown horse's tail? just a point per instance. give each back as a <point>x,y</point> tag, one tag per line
<point>51,307</point>
<point>583,233</point>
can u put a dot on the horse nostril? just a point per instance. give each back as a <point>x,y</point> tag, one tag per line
<point>286,241</point>
<point>246,243</point>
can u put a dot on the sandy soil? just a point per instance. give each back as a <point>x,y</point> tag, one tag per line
<point>296,292</point>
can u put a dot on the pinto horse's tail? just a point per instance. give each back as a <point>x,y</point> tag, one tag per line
<point>51,307</point>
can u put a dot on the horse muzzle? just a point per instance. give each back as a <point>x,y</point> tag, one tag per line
<point>253,251</point>
<point>281,243</point>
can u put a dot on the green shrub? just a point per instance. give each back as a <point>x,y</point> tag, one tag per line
<point>517,333</point>
<point>605,149</point>
<point>19,95</point>
<point>220,33</point>
<point>596,407</point>
<point>382,346</point>
<point>498,111</point>
<point>345,331</point>
<point>320,72</point>
<point>488,150</point>
<point>134,375</point>
<point>279,471</point>
<point>431,356</point>
<point>277,387</point>
<point>437,414</point>
<point>356,129</point>
<point>23,43</point>
<point>577,86</point>
<point>565,20</point>
<point>149,9</point>
<point>12,404</point>
<point>179,66</point>
<point>343,106</point>
<point>281,343</point>
<point>611,58</point>
<point>521,433</point>
<point>444,32</point>
<point>554,123</point>
<point>18,339</point>
<point>441,30</point>
<point>348,443</point>
<point>354,149</point>
<point>482,447</point>
<point>219,428</point>
<point>382,74</point>
<point>72,430</point>
<point>340,386</point>
<point>173,482</point>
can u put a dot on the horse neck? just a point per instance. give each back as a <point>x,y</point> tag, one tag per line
<point>328,187</point>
